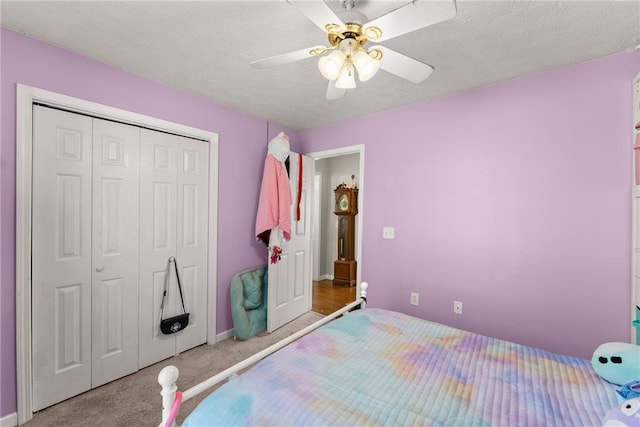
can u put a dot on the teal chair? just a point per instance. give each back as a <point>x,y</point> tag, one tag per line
<point>249,302</point>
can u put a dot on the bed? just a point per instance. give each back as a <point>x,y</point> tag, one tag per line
<point>378,367</point>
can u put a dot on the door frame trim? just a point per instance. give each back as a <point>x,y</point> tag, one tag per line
<point>341,151</point>
<point>26,97</point>
<point>316,226</point>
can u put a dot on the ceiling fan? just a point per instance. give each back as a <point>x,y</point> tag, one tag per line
<point>348,32</point>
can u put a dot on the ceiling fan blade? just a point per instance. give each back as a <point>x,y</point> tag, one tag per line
<point>333,92</point>
<point>285,58</point>
<point>403,66</point>
<point>411,17</point>
<point>319,13</point>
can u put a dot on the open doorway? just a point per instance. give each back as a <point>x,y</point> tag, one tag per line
<point>333,168</point>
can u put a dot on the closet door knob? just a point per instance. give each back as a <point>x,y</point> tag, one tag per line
<point>99,268</point>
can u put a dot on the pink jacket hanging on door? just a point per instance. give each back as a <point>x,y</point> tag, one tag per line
<point>273,220</point>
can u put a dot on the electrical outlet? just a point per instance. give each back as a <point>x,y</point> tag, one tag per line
<point>414,298</point>
<point>457,307</point>
<point>388,232</point>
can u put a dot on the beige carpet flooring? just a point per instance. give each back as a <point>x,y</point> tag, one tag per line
<point>135,400</point>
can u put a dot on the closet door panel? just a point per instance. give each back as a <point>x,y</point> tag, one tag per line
<point>158,207</point>
<point>192,237</point>
<point>61,257</point>
<point>115,250</point>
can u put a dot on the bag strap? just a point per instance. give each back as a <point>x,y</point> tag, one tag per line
<point>175,264</point>
<point>166,286</point>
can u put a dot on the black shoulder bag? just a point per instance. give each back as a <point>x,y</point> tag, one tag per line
<point>177,323</point>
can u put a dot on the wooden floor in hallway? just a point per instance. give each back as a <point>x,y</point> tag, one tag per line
<point>328,297</point>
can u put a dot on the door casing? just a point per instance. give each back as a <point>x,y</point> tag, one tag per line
<point>316,228</point>
<point>341,151</point>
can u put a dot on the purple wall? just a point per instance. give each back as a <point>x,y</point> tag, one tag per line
<point>514,199</point>
<point>242,148</point>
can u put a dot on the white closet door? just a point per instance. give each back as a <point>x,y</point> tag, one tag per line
<point>115,251</point>
<point>174,176</point>
<point>192,237</point>
<point>111,204</point>
<point>61,257</point>
<point>158,201</point>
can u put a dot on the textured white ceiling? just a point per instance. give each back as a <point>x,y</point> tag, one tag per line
<point>205,47</point>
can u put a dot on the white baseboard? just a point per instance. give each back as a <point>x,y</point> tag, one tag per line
<point>326,277</point>
<point>10,420</point>
<point>220,337</point>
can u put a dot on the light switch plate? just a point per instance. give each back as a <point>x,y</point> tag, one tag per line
<point>414,298</point>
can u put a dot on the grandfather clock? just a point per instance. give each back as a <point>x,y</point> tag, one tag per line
<point>344,268</point>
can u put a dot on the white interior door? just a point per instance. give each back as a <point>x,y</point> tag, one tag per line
<point>61,257</point>
<point>115,251</point>
<point>174,222</point>
<point>87,225</point>
<point>158,201</point>
<point>112,203</point>
<point>192,238</point>
<point>289,286</point>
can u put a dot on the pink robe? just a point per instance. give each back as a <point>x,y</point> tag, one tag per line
<point>275,199</point>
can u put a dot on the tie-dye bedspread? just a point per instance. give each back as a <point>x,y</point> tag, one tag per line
<point>376,367</point>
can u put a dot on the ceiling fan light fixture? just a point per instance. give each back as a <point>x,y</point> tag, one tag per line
<point>372,33</point>
<point>367,66</point>
<point>346,79</point>
<point>331,64</point>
